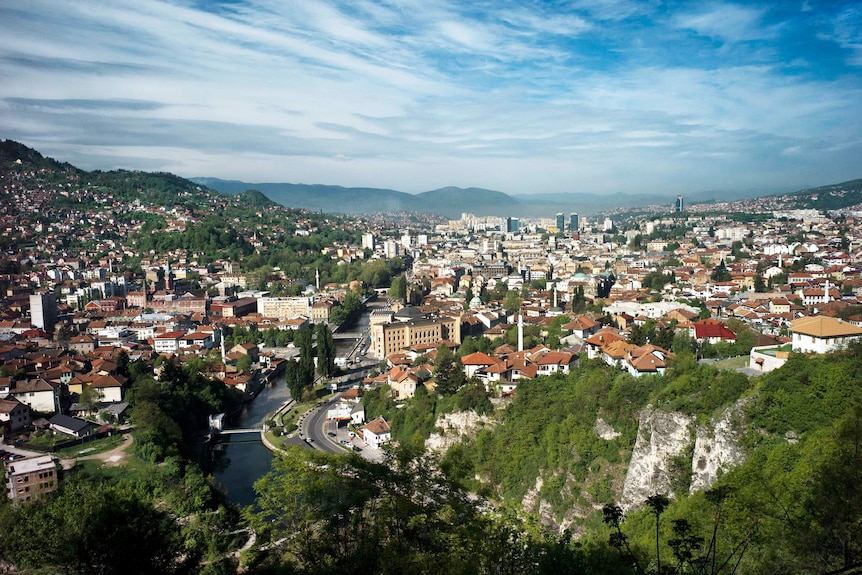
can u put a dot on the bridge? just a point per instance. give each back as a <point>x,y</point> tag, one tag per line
<point>235,431</point>
<point>347,335</point>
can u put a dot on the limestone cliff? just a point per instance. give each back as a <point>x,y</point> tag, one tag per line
<point>716,449</point>
<point>453,427</point>
<point>665,450</point>
<point>662,436</point>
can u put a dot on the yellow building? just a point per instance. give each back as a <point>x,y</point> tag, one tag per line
<point>394,337</point>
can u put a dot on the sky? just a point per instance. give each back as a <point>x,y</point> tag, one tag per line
<point>584,96</point>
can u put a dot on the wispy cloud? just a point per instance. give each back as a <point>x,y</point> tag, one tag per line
<point>417,94</point>
<point>727,22</point>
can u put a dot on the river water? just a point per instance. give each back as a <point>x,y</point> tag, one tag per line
<point>242,459</point>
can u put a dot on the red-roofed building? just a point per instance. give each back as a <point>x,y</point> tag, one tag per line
<point>712,331</point>
<point>556,361</point>
<point>476,361</point>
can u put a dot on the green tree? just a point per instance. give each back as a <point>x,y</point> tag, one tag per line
<point>448,371</point>
<point>244,364</point>
<point>512,304</point>
<point>325,350</point>
<point>398,289</point>
<point>91,527</point>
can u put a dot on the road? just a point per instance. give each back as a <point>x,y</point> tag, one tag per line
<point>315,428</point>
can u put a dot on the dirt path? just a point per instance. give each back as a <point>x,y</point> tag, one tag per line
<point>114,457</point>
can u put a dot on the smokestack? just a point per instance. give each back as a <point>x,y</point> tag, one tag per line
<point>520,331</point>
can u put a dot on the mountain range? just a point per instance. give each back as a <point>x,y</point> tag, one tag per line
<point>452,201</point>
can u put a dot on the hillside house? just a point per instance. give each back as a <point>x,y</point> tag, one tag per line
<point>377,433</point>
<point>822,334</point>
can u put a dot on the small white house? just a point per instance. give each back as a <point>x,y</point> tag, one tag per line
<point>376,433</point>
<point>822,334</point>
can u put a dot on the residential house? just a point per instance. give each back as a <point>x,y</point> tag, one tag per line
<point>38,394</point>
<point>168,343</point>
<point>14,415</point>
<point>822,334</point>
<point>249,349</point>
<point>646,359</point>
<point>376,433</point>
<point>712,331</point>
<point>72,426</point>
<point>477,361</point>
<point>556,362</point>
<point>582,326</point>
<point>83,344</point>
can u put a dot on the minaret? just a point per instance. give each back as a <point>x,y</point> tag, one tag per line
<point>223,353</point>
<point>780,261</point>
<point>317,278</point>
<point>520,330</point>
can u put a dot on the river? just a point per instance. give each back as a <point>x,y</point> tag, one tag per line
<point>243,458</point>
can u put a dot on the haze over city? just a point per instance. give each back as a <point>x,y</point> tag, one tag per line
<point>583,96</point>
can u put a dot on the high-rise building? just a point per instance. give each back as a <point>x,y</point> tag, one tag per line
<point>561,222</point>
<point>368,241</point>
<point>680,206</point>
<point>513,225</point>
<point>573,222</point>
<point>43,311</point>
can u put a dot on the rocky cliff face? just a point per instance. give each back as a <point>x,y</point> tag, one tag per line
<point>453,427</point>
<point>665,450</point>
<point>716,449</point>
<point>662,436</point>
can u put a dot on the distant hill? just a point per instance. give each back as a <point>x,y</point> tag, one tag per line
<point>12,152</point>
<point>450,202</point>
<point>832,197</point>
<point>318,197</point>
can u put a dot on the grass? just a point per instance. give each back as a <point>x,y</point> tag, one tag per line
<point>130,467</point>
<point>91,447</point>
<point>732,363</point>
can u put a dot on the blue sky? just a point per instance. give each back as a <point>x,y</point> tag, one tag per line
<point>599,96</point>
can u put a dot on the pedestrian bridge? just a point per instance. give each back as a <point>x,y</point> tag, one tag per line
<point>236,431</point>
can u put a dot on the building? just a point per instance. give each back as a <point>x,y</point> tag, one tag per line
<point>14,415</point>
<point>31,478</point>
<point>679,206</point>
<point>376,433</point>
<point>561,222</point>
<point>390,338</point>
<point>822,334</point>
<point>43,311</point>
<point>368,241</point>
<point>573,222</point>
<point>40,395</point>
<point>168,342</point>
<point>513,225</point>
<point>285,307</point>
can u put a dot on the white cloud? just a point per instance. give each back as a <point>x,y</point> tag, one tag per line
<point>727,22</point>
<point>414,95</point>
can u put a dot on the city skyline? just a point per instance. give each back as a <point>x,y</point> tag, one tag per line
<point>587,96</point>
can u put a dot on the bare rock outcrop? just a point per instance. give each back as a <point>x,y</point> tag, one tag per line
<point>716,449</point>
<point>453,427</point>
<point>662,436</point>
